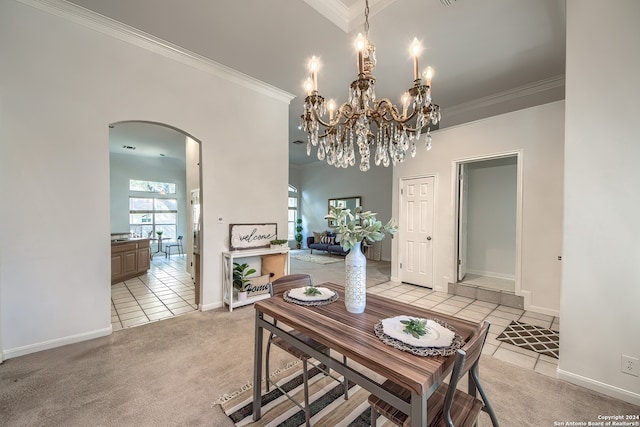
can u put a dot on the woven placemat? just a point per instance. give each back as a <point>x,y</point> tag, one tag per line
<point>327,301</point>
<point>457,342</point>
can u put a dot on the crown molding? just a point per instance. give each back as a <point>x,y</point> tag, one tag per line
<point>334,10</point>
<point>347,18</point>
<point>508,95</point>
<point>131,35</point>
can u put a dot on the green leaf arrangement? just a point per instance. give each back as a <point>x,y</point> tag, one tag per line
<point>358,226</point>
<point>415,327</point>
<point>312,291</point>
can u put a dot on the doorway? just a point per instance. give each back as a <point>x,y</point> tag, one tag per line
<point>487,213</point>
<point>415,235</point>
<point>154,169</point>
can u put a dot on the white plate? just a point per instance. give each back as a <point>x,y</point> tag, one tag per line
<point>298,293</point>
<point>438,335</point>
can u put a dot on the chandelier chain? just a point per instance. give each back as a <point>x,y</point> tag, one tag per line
<point>366,19</point>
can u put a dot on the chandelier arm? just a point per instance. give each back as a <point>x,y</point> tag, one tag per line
<point>346,111</point>
<point>395,114</point>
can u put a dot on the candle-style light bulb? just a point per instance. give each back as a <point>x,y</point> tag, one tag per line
<point>405,103</point>
<point>361,44</point>
<point>331,105</point>
<point>308,86</point>
<point>428,75</point>
<point>415,49</point>
<point>314,65</point>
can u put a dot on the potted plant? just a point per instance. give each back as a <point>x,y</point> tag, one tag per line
<point>241,273</point>
<point>279,244</point>
<point>351,233</point>
<point>298,234</point>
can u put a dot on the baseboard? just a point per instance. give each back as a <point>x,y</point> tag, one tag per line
<point>609,390</point>
<point>537,309</point>
<point>58,342</point>
<point>211,306</point>
<point>492,274</point>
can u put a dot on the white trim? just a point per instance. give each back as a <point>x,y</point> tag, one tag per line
<point>530,307</point>
<point>334,10</point>
<point>609,390</point>
<point>519,154</point>
<point>492,274</point>
<point>211,306</point>
<point>58,342</point>
<point>507,95</point>
<point>126,33</point>
<point>347,18</point>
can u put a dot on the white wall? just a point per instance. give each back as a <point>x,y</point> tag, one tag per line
<point>61,84</point>
<point>538,133</point>
<point>491,219</point>
<point>601,269</point>
<point>124,167</point>
<point>321,182</point>
<point>192,160</point>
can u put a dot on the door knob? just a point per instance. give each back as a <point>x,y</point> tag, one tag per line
<point>428,237</point>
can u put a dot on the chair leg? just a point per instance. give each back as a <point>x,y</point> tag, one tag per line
<point>346,382</point>
<point>266,367</point>
<point>305,379</point>
<point>374,417</point>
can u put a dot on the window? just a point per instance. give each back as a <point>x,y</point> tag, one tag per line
<point>148,215</point>
<point>293,212</point>
<point>152,186</point>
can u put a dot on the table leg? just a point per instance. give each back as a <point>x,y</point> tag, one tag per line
<point>418,409</point>
<point>257,368</point>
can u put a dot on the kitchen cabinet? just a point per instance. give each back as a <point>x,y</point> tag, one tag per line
<point>129,258</point>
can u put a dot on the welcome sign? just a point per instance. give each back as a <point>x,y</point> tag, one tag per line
<point>252,236</point>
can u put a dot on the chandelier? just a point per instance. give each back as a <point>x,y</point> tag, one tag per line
<point>363,121</point>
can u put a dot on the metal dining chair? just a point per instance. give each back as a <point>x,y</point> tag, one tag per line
<point>447,406</point>
<point>298,280</point>
<point>177,244</point>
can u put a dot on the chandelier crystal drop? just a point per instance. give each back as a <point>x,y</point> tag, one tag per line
<point>376,127</point>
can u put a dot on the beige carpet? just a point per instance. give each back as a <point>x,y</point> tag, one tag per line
<point>170,373</point>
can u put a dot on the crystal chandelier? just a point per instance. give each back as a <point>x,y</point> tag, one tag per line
<point>365,122</point>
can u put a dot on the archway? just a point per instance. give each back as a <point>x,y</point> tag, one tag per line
<point>154,173</point>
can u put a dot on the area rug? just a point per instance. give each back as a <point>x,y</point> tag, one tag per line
<point>327,404</point>
<point>318,259</point>
<point>531,337</point>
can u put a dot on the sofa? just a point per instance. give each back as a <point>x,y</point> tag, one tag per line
<point>326,242</point>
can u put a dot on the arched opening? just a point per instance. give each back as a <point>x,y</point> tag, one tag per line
<point>155,222</point>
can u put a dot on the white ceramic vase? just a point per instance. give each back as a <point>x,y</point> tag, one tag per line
<point>355,285</point>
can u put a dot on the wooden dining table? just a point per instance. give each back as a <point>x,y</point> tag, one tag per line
<point>353,336</point>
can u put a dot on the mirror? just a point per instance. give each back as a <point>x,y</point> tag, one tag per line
<point>344,202</point>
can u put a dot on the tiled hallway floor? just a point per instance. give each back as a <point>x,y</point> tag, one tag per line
<point>166,290</point>
<point>470,309</point>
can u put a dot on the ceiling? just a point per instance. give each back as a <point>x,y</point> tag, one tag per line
<point>478,47</point>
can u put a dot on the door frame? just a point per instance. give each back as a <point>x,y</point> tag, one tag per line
<point>434,233</point>
<point>455,188</point>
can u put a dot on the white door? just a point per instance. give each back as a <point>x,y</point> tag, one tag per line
<point>463,194</point>
<point>416,231</point>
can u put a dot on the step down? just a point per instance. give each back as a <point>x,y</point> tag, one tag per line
<point>487,295</point>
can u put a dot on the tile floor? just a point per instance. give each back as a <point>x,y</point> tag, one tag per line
<point>470,309</point>
<point>166,290</point>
